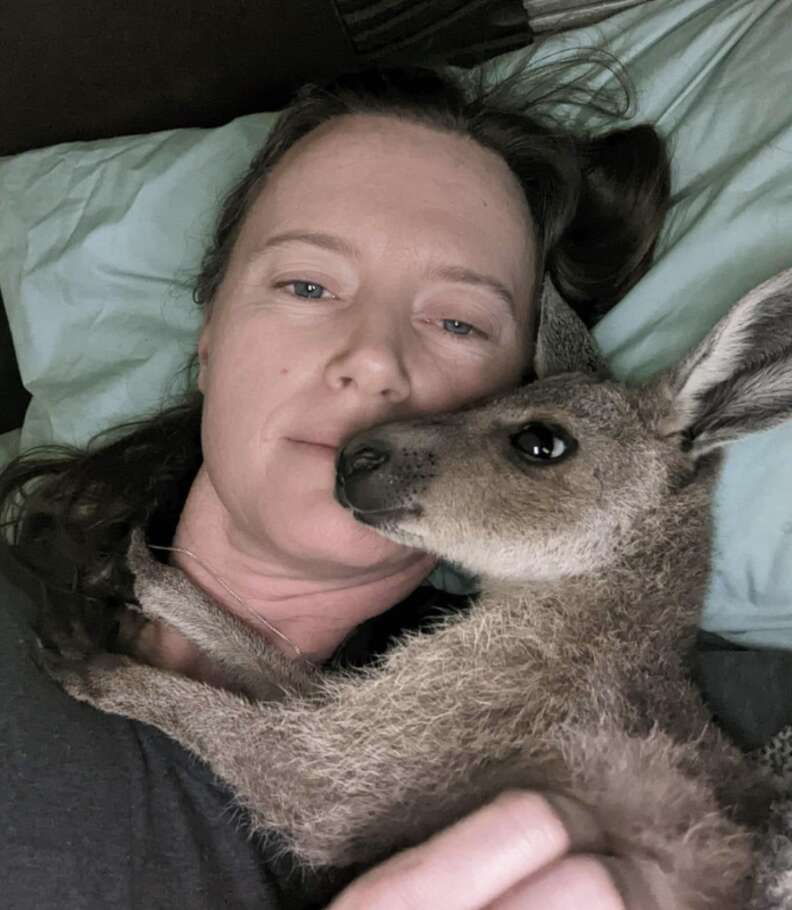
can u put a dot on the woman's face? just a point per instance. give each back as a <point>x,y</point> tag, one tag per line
<point>385,271</point>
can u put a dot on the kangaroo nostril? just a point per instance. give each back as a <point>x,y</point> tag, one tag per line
<point>363,459</point>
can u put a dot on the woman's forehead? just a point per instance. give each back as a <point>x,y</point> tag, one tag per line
<point>372,177</point>
<point>386,152</point>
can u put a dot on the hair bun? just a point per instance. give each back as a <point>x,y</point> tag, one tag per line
<point>623,199</point>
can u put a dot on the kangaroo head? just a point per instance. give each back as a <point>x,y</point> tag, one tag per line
<point>563,475</point>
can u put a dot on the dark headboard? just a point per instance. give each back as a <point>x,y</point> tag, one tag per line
<point>89,69</point>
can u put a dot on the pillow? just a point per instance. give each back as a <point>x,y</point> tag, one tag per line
<point>99,242</point>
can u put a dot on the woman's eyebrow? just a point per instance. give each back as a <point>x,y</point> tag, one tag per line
<point>461,275</point>
<point>316,238</point>
<point>455,273</point>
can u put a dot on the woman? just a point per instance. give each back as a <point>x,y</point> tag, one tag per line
<point>380,259</point>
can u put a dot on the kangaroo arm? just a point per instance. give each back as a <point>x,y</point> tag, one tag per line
<point>327,769</point>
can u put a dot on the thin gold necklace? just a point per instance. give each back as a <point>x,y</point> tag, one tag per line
<point>273,629</point>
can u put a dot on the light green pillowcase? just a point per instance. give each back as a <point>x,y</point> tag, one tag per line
<point>99,246</point>
<point>99,243</point>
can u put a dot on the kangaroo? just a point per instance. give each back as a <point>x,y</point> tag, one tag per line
<point>583,505</point>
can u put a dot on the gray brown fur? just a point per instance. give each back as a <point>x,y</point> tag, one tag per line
<point>568,673</point>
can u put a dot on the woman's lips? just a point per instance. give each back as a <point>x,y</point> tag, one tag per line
<point>318,446</point>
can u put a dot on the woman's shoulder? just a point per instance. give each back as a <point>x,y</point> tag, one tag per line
<point>103,812</point>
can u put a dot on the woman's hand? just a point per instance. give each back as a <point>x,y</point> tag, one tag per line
<point>523,851</point>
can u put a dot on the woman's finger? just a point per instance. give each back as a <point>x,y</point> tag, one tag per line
<point>471,863</point>
<point>575,881</point>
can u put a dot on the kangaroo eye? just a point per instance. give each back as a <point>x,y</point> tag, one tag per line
<point>541,442</point>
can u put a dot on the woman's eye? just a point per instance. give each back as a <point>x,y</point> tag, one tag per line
<point>308,290</point>
<point>457,327</point>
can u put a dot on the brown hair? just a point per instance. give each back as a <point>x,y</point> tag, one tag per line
<point>597,201</point>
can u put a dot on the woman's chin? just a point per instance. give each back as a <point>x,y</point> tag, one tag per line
<point>335,531</point>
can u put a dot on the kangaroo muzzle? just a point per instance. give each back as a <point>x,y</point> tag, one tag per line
<point>380,480</point>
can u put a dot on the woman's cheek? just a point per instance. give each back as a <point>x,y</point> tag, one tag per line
<point>487,377</point>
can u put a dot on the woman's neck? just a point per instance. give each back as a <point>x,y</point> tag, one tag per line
<point>313,603</point>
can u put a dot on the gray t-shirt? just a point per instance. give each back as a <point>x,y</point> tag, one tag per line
<point>101,812</point>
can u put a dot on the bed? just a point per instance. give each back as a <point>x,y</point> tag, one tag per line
<point>117,153</point>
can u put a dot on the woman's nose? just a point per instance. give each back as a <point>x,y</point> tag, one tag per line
<point>372,364</point>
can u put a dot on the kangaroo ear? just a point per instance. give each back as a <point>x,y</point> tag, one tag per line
<point>739,379</point>
<point>563,343</point>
